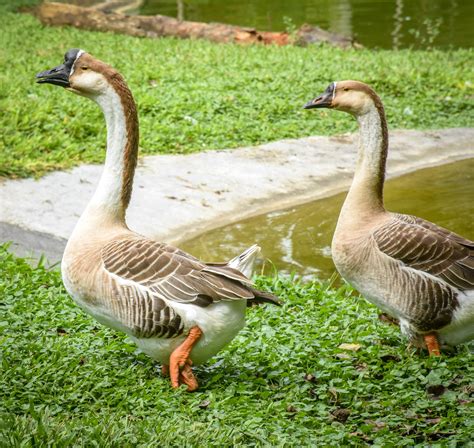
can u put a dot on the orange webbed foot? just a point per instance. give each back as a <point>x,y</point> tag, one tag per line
<point>180,362</point>
<point>187,377</point>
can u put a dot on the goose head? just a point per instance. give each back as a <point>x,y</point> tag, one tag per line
<point>80,73</point>
<point>353,97</point>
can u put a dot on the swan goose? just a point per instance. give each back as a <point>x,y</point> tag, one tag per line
<point>177,309</point>
<point>412,269</point>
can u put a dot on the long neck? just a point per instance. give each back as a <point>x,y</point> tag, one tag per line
<point>111,199</point>
<point>366,193</point>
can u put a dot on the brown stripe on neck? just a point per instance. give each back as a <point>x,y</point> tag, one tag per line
<point>130,153</point>
<point>384,150</point>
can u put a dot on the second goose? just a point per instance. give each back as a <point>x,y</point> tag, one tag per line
<point>411,268</point>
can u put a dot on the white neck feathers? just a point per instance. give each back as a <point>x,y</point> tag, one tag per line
<point>107,203</point>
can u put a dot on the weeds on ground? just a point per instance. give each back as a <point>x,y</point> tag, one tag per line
<point>284,381</point>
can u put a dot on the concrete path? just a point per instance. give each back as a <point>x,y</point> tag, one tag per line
<point>177,197</point>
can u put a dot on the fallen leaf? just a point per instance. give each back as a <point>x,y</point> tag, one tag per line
<point>351,347</point>
<point>204,404</point>
<point>440,435</point>
<point>469,389</point>
<point>333,392</point>
<point>386,358</point>
<point>436,390</point>
<point>360,435</point>
<point>341,414</point>
<point>433,421</point>
<point>377,424</point>
<point>309,377</point>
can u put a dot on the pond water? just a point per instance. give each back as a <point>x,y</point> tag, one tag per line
<point>374,23</point>
<point>299,239</point>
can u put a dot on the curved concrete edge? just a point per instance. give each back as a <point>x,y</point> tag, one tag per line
<point>31,244</point>
<point>177,197</point>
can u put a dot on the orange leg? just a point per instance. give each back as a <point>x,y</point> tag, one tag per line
<point>180,363</point>
<point>432,344</point>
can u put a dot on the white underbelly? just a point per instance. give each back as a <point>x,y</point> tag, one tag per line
<point>461,328</point>
<point>219,322</point>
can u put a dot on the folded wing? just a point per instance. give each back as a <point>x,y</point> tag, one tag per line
<point>426,247</point>
<point>174,275</point>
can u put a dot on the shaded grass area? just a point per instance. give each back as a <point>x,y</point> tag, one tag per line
<point>195,95</point>
<point>67,381</point>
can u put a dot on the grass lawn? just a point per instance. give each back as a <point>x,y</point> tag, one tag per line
<point>67,381</point>
<point>195,95</point>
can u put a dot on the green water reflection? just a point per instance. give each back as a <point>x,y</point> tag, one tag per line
<point>299,239</point>
<point>374,23</point>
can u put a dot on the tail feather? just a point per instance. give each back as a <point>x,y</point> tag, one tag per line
<point>244,264</point>
<point>245,261</point>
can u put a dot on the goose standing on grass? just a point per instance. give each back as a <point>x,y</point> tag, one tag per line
<point>177,309</point>
<point>414,270</point>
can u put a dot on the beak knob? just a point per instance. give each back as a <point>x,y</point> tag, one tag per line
<point>59,75</point>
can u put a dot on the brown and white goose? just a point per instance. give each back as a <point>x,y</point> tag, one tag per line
<point>177,309</point>
<point>414,270</point>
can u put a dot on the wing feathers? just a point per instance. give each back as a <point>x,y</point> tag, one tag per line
<point>146,277</point>
<point>426,247</point>
<point>171,274</point>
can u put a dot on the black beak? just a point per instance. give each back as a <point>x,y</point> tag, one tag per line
<point>324,100</point>
<point>58,76</point>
